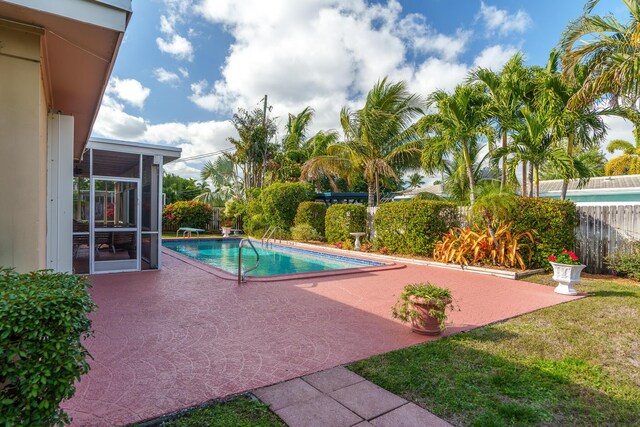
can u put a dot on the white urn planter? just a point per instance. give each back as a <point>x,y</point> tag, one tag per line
<point>567,275</point>
<point>226,231</point>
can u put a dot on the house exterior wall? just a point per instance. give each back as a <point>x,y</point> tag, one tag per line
<point>23,151</point>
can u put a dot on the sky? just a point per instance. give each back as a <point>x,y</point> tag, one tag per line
<point>185,66</point>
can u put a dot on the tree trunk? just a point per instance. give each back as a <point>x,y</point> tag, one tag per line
<point>472,184</point>
<point>371,196</point>
<point>565,181</point>
<point>377,190</point>
<point>503,177</point>
<point>524,179</point>
<point>536,177</point>
<point>531,180</point>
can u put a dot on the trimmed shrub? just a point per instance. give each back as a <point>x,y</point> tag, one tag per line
<point>304,232</point>
<point>342,219</point>
<point>312,213</point>
<point>280,201</point>
<point>43,320</point>
<point>186,214</point>
<point>626,263</point>
<point>413,227</point>
<point>425,195</point>
<point>553,220</point>
<point>255,225</point>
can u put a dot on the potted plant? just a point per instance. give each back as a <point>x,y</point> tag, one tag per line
<point>226,228</point>
<point>425,306</point>
<point>566,271</point>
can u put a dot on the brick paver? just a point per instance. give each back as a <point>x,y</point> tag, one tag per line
<point>170,339</point>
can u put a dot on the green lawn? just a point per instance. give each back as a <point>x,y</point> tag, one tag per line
<point>572,364</point>
<point>239,412</point>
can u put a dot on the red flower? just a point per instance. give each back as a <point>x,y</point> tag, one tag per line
<point>573,256</point>
<point>552,258</point>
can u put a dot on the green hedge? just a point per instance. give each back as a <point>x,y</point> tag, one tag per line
<point>342,219</point>
<point>413,227</point>
<point>312,213</point>
<point>186,214</point>
<point>554,220</point>
<point>280,201</point>
<point>43,320</point>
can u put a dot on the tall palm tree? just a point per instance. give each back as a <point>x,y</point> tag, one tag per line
<point>221,181</point>
<point>462,118</point>
<point>507,91</point>
<point>379,138</point>
<point>534,143</point>
<point>297,128</point>
<point>577,125</point>
<point>628,162</point>
<point>610,51</point>
<point>415,180</point>
<point>455,181</point>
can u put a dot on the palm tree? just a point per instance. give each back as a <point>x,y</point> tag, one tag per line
<point>220,181</point>
<point>507,91</point>
<point>415,180</point>
<point>297,128</point>
<point>628,162</point>
<point>610,51</point>
<point>455,182</point>
<point>578,126</point>
<point>379,138</point>
<point>534,143</point>
<point>462,118</point>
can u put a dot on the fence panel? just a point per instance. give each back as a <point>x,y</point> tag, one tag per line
<point>604,229</point>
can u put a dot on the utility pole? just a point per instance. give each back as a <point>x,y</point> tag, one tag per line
<point>266,139</point>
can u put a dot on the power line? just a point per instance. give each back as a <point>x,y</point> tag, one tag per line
<point>205,155</point>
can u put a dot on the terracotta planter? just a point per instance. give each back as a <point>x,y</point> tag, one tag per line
<point>566,275</point>
<point>427,324</point>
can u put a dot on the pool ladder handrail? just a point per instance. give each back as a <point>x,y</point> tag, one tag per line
<point>242,275</point>
<point>269,234</point>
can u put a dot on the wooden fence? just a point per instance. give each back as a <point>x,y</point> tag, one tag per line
<point>603,229</point>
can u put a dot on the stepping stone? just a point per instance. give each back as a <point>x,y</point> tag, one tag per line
<point>320,412</point>
<point>409,415</point>
<point>286,393</point>
<point>367,399</point>
<point>333,379</point>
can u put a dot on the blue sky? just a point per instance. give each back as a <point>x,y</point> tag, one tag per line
<point>186,65</point>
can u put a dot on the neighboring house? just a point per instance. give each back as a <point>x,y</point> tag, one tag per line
<point>438,190</point>
<point>56,58</point>
<point>623,188</point>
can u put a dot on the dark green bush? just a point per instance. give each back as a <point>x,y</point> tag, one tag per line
<point>553,220</point>
<point>304,233</point>
<point>342,219</point>
<point>43,320</point>
<point>425,195</point>
<point>186,214</point>
<point>312,213</point>
<point>280,201</point>
<point>415,226</point>
<point>626,263</point>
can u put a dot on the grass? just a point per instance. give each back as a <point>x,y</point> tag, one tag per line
<point>238,412</point>
<point>571,364</point>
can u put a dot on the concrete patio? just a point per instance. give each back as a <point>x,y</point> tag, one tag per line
<point>170,339</point>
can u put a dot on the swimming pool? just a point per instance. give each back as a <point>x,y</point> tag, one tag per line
<point>275,260</point>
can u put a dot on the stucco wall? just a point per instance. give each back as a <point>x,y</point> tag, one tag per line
<point>23,149</point>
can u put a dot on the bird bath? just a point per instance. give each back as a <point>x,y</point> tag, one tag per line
<point>357,236</point>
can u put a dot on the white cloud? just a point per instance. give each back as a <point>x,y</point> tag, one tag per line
<point>177,46</point>
<point>173,43</point>
<point>494,57</point>
<point>130,91</point>
<point>414,29</point>
<point>166,76</point>
<point>618,128</point>
<point>184,72</point>
<point>501,21</point>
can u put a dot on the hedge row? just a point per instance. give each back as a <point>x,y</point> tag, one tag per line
<point>43,321</point>
<point>186,214</point>
<point>280,202</point>
<point>554,220</point>
<point>342,219</point>
<point>413,227</point>
<point>313,214</point>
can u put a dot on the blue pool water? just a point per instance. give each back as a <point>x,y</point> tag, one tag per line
<point>223,254</point>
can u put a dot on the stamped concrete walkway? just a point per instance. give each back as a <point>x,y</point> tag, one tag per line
<point>340,398</point>
<point>170,339</point>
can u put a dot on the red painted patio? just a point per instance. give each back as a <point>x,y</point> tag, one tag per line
<point>170,339</point>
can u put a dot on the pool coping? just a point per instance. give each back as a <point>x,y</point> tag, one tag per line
<point>223,274</point>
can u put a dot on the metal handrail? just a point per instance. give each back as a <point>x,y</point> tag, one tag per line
<point>242,276</point>
<point>273,229</point>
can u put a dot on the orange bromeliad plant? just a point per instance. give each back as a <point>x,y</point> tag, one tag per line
<point>466,246</point>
